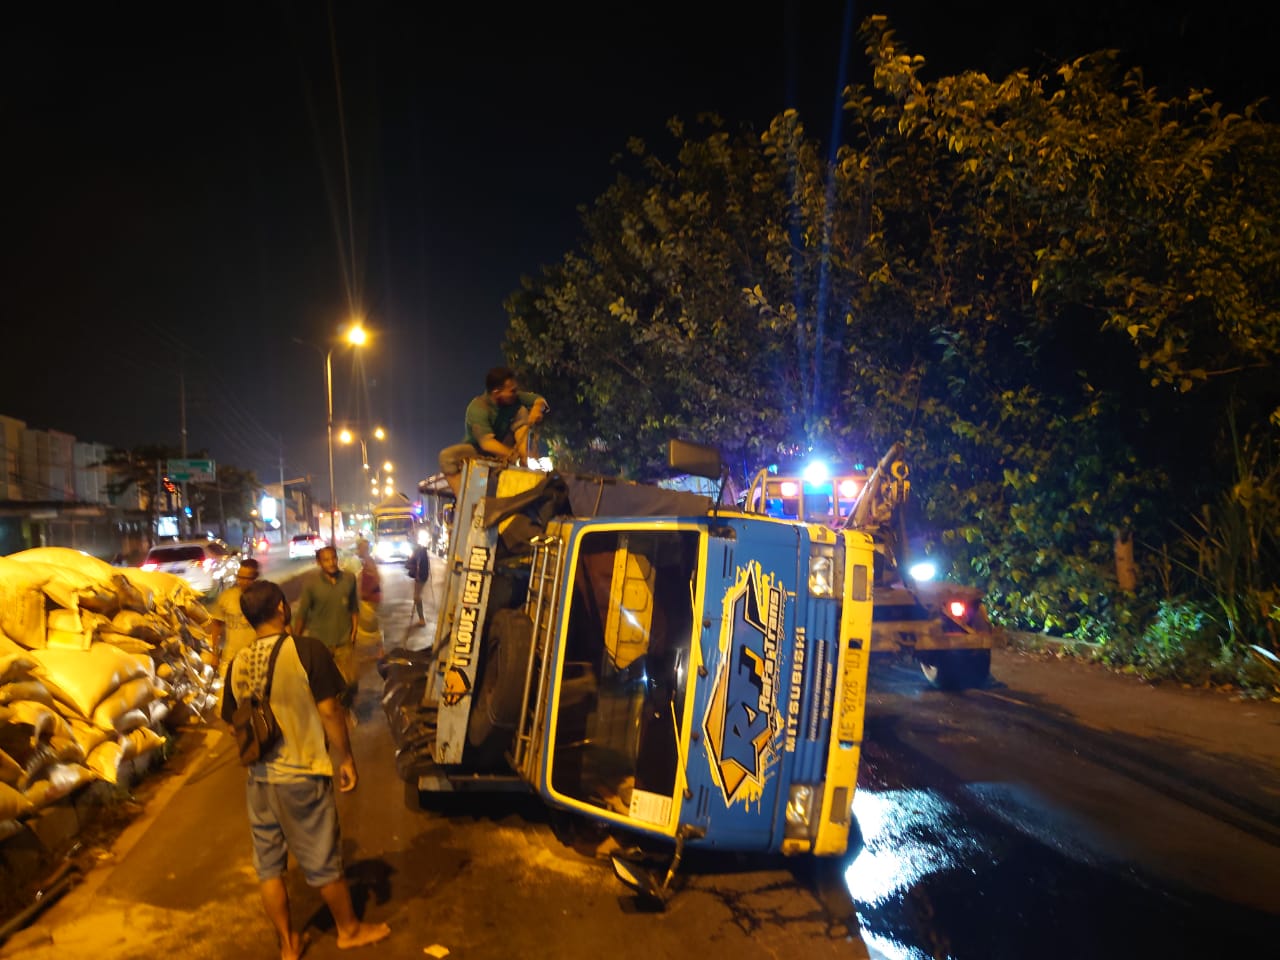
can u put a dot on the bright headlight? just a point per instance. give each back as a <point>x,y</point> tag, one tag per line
<point>800,805</point>
<point>923,571</point>
<point>803,805</point>
<point>821,580</point>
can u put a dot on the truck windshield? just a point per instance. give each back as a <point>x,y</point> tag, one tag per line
<point>394,526</point>
<point>623,677</point>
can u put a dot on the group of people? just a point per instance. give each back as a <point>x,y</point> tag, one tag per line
<point>290,795</point>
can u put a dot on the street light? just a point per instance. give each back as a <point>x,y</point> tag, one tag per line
<point>346,436</point>
<point>355,336</point>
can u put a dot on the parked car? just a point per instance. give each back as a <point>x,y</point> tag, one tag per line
<point>208,565</point>
<point>304,545</point>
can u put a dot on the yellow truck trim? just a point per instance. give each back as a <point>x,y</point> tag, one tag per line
<point>845,748</point>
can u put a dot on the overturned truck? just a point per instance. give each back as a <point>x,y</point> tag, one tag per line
<point>643,658</point>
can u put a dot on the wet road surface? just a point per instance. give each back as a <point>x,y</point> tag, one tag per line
<point>998,824</point>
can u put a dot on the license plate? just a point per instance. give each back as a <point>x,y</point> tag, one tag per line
<point>852,697</point>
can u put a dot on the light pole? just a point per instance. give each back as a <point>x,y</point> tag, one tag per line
<point>347,437</point>
<point>355,336</point>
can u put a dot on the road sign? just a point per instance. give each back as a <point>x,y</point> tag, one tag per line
<point>192,471</point>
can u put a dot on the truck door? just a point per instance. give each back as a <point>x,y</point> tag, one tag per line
<point>619,706</point>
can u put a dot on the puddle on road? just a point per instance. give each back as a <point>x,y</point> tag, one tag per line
<point>999,873</point>
<point>900,834</point>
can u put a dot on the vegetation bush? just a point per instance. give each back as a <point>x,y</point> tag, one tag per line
<point>1057,290</point>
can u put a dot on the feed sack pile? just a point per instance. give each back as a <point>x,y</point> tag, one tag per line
<point>95,662</point>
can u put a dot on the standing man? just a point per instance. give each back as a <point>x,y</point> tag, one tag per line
<point>289,794</point>
<point>369,627</point>
<point>231,631</point>
<point>329,610</point>
<point>497,424</point>
<point>418,567</point>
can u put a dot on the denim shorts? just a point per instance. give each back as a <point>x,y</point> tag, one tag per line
<point>301,818</point>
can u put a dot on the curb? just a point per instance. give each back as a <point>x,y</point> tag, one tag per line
<point>47,846</point>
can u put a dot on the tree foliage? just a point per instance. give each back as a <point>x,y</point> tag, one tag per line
<point>234,494</point>
<point>618,333</point>
<point>1056,289</point>
<point>139,468</point>
<point>143,468</point>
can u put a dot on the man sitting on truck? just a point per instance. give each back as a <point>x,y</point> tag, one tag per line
<point>497,425</point>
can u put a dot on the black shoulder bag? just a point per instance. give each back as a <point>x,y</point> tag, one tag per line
<point>256,729</point>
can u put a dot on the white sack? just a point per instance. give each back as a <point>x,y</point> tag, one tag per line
<point>25,690</point>
<point>86,734</point>
<point>82,678</point>
<point>10,769</point>
<point>57,782</point>
<point>106,759</point>
<point>12,803</point>
<point>22,605</point>
<point>16,666</point>
<point>144,740</point>
<point>129,696</point>
<point>89,568</point>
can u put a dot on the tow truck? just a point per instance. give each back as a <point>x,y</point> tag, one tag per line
<point>683,674</point>
<point>939,624</point>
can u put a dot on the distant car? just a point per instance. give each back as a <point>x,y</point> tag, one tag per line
<point>208,565</point>
<point>304,545</point>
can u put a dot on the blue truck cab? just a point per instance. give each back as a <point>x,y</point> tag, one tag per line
<point>681,672</point>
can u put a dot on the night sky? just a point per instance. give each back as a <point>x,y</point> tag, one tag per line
<point>180,209</point>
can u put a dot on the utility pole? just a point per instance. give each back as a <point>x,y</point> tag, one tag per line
<point>155,532</point>
<point>182,414</point>
<point>222,513</point>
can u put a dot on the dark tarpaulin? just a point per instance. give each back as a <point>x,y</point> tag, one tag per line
<point>583,495</point>
<point>606,497</point>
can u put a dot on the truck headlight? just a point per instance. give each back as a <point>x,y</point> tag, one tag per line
<point>800,809</point>
<point>821,572</point>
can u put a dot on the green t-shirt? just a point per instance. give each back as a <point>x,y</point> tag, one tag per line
<point>485,418</point>
<point>324,609</point>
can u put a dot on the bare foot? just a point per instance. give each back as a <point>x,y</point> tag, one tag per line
<point>365,934</point>
<point>296,947</point>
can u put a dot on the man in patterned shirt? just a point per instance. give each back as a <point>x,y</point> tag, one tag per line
<point>231,631</point>
<point>289,792</point>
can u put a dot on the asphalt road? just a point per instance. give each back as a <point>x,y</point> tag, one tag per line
<point>1067,812</point>
<point>1062,812</point>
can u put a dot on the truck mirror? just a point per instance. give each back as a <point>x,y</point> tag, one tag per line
<point>694,459</point>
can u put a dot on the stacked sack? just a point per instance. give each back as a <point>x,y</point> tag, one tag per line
<point>92,659</point>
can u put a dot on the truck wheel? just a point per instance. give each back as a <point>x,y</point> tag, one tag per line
<point>955,669</point>
<point>501,686</point>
